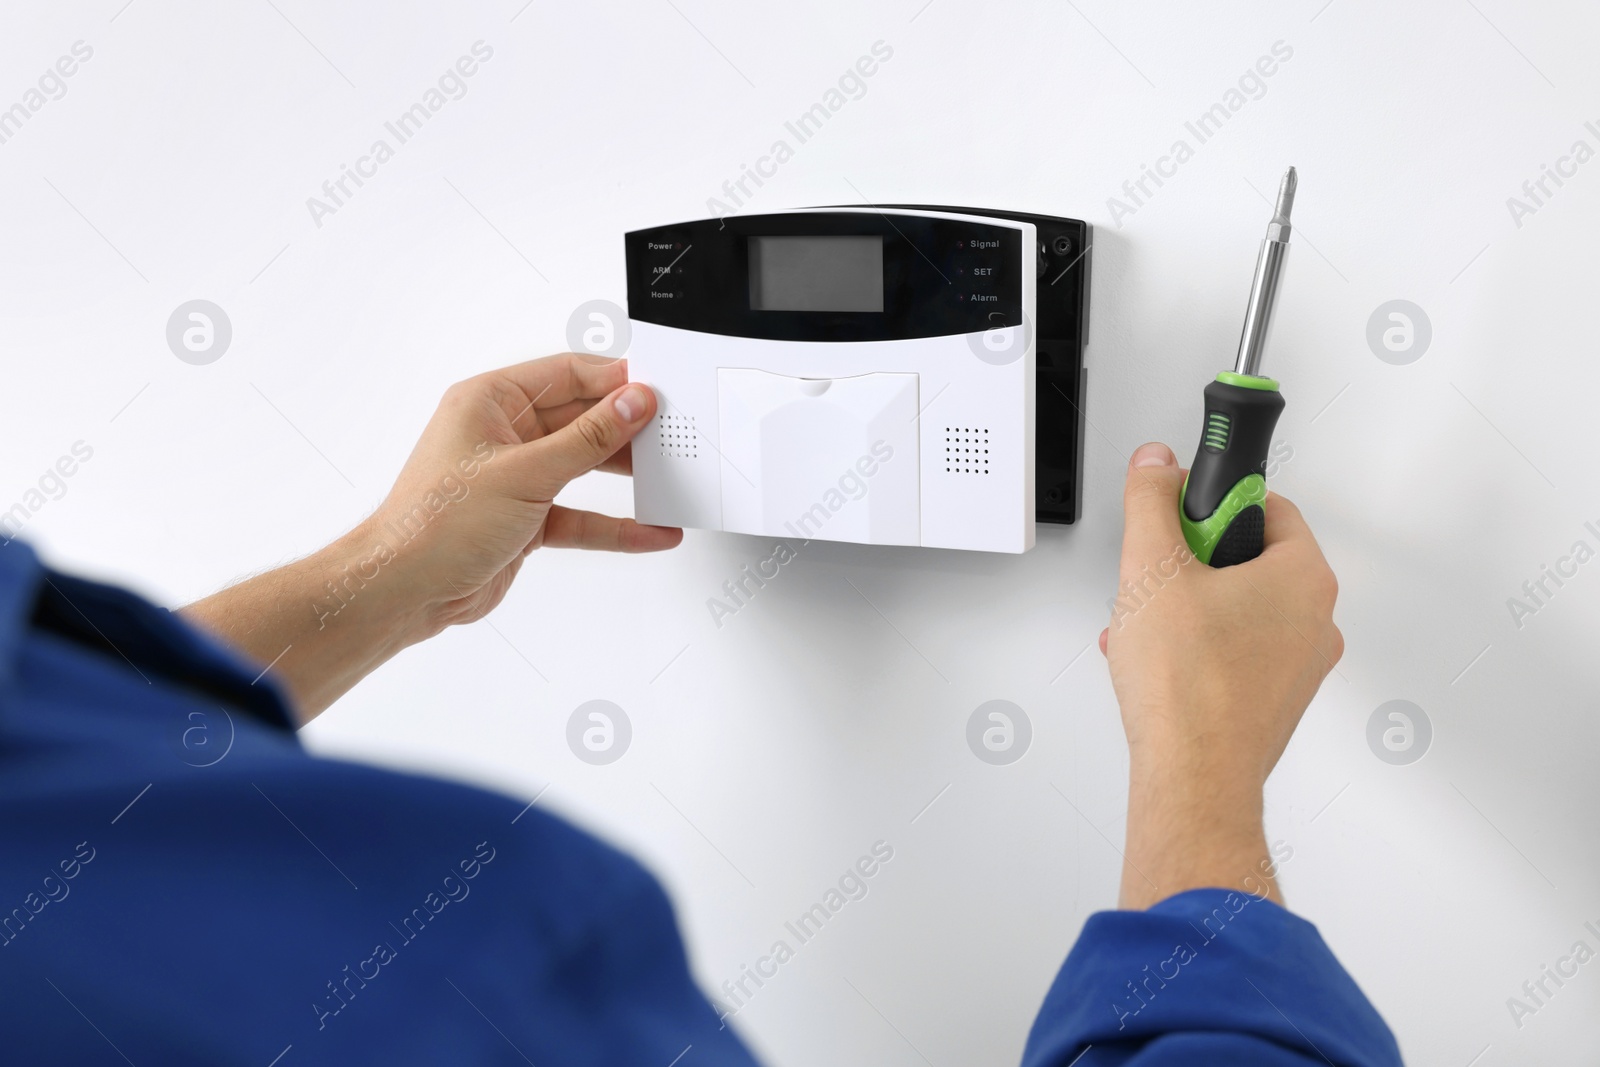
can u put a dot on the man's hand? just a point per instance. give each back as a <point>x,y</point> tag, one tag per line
<point>496,453</point>
<point>1212,669</point>
<point>474,498</point>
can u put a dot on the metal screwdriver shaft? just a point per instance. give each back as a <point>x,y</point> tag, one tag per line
<point>1264,289</point>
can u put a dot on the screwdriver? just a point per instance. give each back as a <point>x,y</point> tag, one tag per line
<point>1221,512</point>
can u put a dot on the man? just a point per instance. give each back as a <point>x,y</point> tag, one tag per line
<point>183,884</point>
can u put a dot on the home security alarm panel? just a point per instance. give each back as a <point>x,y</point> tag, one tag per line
<point>892,375</point>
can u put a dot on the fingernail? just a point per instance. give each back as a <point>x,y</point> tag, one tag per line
<point>1154,454</point>
<point>630,405</point>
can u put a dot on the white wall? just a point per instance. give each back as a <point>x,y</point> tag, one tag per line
<point>770,753</point>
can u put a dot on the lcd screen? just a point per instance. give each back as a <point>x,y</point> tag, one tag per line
<point>832,273</point>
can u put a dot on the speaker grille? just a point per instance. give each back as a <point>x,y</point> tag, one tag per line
<point>966,449</point>
<point>677,436</point>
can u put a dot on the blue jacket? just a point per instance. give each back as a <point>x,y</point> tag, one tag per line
<point>181,883</point>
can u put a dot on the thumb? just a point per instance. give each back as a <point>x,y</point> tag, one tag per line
<point>1150,503</point>
<point>588,440</point>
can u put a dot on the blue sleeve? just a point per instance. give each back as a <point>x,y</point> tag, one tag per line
<point>1210,976</point>
<point>183,884</point>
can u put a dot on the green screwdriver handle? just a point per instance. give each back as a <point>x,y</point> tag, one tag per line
<point>1222,512</point>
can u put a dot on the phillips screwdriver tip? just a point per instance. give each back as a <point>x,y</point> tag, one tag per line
<point>1285,196</point>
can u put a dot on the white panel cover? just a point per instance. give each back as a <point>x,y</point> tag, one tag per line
<point>829,457</point>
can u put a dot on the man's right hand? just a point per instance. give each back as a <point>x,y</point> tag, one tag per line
<point>1213,669</point>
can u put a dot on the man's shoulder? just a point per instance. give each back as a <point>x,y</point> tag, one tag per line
<point>122,726</point>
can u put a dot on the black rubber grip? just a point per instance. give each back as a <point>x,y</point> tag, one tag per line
<point>1235,440</point>
<point>1243,538</point>
<point>1252,415</point>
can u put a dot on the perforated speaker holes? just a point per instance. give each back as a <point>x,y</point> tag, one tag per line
<point>966,450</point>
<point>678,437</point>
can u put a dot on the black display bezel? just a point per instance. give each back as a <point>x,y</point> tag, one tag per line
<point>928,290</point>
